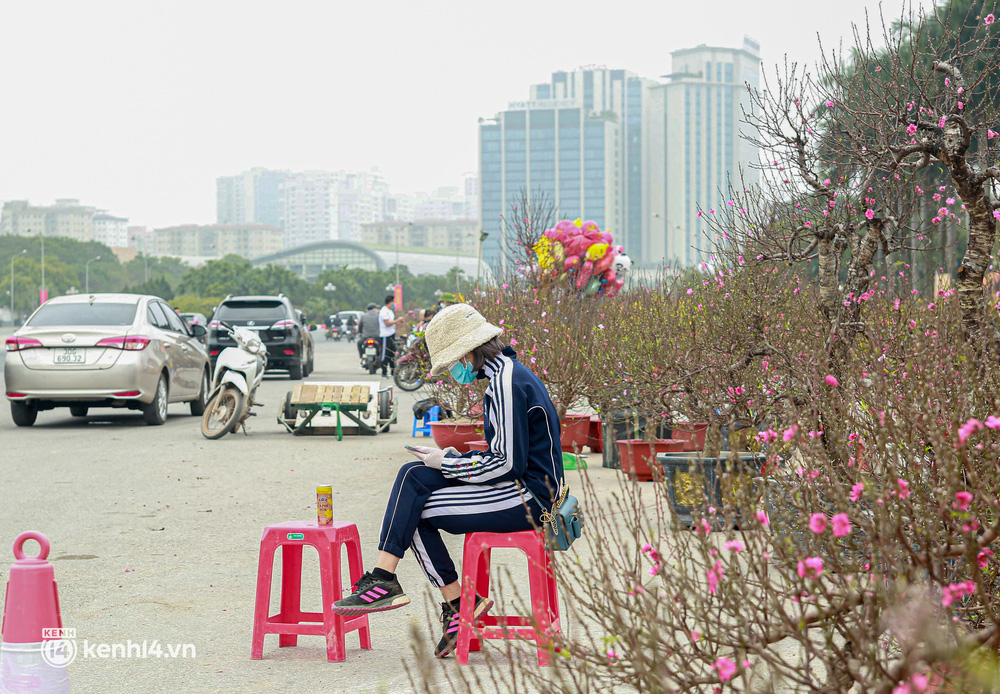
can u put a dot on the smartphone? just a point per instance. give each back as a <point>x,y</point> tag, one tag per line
<point>412,448</point>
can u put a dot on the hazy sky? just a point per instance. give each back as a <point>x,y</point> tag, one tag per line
<point>138,106</point>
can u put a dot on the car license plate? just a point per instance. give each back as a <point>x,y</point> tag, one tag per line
<point>370,351</point>
<point>70,355</point>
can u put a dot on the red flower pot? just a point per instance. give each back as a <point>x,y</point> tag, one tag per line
<point>639,456</point>
<point>692,432</point>
<point>478,445</point>
<point>456,434</point>
<point>575,432</point>
<point>595,441</point>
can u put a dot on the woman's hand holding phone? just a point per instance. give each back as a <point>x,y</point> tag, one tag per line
<point>431,457</point>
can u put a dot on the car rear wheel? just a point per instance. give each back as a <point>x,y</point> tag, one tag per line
<point>155,413</point>
<point>78,410</point>
<point>23,413</point>
<point>198,406</point>
<point>295,372</point>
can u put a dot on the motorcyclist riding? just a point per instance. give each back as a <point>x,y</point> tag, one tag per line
<point>367,326</point>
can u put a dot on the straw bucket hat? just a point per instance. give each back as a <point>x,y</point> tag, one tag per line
<point>455,331</point>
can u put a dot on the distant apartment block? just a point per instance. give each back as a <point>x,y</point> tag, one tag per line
<point>693,137</point>
<point>66,218</point>
<point>635,155</point>
<point>361,199</point>
<point>444,236</point>
<point>308,206</point>
<point>578,141</point>
<point>192,241</point>
<point>252,196</point>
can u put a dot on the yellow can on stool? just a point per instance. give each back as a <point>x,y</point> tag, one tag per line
<point>324,504</point>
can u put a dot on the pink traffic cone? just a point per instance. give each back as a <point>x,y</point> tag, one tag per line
<point>33,659</point>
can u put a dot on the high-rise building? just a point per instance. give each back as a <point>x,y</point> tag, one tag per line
<point>252,196</point>
<point>361,199</point>
<point>66,218</point>
<point>471,196</point>
<point>578,140</point>
<point>694,146</point>
<point>309,207</point>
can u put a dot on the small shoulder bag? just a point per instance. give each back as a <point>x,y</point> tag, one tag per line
<point>563,523</point>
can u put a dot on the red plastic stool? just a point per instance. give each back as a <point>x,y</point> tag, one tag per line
<point>476,579</point>
<point>291,621</point>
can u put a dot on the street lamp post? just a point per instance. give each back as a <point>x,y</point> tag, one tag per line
<point>86,281</point>
<point>12,258</point>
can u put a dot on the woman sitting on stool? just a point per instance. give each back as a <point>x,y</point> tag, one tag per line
<point>480,491</point>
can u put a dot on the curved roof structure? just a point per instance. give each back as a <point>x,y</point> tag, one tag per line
<point>310,259</point>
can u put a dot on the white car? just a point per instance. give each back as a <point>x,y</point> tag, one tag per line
<point>105,350</point>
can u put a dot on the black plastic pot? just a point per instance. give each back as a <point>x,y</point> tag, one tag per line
<point>694,482</point>
<point>620,425</point>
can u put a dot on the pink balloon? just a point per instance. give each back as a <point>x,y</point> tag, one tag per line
<point>610,276</point>
<point>571,262</point>
<point>606,237</point>
<point>603,264</point>
<point>583,276</point>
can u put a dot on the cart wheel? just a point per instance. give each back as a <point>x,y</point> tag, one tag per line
<point>287,408</point>
<point>385,406</point>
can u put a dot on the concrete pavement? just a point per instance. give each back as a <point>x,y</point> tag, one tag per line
<point>155,534</point>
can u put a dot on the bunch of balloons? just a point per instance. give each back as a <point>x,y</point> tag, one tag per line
<point>584,253</point>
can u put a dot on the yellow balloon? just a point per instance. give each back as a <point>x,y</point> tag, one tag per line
<point>597,251</point>
<point>578,222</point>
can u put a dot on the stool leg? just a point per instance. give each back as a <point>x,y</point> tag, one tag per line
<point>291,591</point>
<point>355,566</point>
<point>482,589</point>
<point>262,603</point>
<point>540,609</point>
<point>333,624</point>
<point>470,566</point>
<point>553,590</point>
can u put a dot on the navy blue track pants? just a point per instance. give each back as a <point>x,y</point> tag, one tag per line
<point>424,502</point>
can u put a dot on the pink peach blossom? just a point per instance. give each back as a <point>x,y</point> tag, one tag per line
<point>817,523</point>
<point>962,501</point>
<point>832,380</point>
<point>841,525</point>
<point>856,491</point>
<point>812,567</point>
<point>726,669</point>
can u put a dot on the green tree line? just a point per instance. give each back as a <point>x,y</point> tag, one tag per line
<point>200,289</point>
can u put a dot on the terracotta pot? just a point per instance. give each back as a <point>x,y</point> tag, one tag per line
<point>575,432</point>
<point>478,445</point>
<point>692,432</point>
<point>638,456</point>
<point>594,440</point>
<point>456,434</point>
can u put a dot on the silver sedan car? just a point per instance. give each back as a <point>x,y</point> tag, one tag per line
<point>105,350</point>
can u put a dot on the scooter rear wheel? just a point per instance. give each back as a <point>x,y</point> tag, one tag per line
<point>408,376</point>
<point>222,414</point>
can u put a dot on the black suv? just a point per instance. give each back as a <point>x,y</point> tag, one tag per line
<point>283,330</point>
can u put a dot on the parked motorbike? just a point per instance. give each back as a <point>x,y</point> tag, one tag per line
<point>371,359</point>
<point>411,367</point>
<point>238,372</point>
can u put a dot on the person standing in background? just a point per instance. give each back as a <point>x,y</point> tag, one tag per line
<point>387,323</point>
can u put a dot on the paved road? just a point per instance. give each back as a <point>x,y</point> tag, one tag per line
<point>155,534</point>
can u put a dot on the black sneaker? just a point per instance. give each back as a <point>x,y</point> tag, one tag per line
<point>372,594</point>
<point>449,623</point>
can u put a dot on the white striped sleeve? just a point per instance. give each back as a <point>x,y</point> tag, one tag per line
<point>506,458</point>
